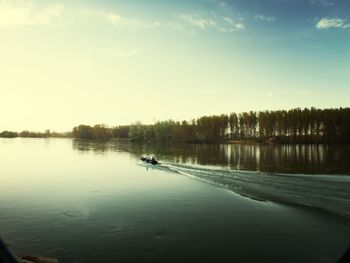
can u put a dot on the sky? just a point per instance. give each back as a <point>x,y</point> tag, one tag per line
<point>65,63</point>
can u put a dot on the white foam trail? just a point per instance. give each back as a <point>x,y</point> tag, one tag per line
<point>328,192</point>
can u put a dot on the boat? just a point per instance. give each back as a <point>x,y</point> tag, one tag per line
<point>150,160</point>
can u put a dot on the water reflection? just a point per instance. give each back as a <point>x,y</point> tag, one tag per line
<point>320,159</point>
<point>94,146</point>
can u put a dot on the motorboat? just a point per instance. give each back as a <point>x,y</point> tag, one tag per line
<point>150,160</point>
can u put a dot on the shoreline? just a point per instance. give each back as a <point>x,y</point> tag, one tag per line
<point>240,142</point>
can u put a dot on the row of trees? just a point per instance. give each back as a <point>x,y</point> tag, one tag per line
<point>292,126</point>
<point>307,125</point>
<point>31,134</point>
<point>98,132</point>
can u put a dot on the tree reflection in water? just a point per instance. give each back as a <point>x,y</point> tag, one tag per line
<point>286,158</point>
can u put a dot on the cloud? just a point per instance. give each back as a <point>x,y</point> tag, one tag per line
<point>321,2</point>
<point>14,14</point>
<point>173,25</point>
<point>264,18</point>
<point>118,20</point>
<point>326,23</point>
<point>198,21</point>
<point>202,22</point>
<point>231,25</point>
<point>222,3</point>
<point>212,21</point>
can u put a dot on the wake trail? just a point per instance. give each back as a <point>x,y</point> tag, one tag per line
<point>327,192</point>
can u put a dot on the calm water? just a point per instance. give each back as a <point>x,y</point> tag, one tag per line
<point>95,202</point>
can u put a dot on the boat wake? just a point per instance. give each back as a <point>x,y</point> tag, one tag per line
<point>327,192</point>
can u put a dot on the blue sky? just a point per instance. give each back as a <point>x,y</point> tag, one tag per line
<point>116,62</point>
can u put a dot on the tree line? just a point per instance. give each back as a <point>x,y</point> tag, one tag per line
<point>31,134</point>
<point>308,125</point>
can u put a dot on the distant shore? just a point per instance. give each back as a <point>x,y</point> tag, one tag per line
<point>295,126</point>
<point>228,142</point>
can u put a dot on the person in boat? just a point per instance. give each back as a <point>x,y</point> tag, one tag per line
<point>146,158</point>
<point>149,159</point>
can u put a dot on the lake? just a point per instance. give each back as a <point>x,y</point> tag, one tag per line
<point>82,201</point>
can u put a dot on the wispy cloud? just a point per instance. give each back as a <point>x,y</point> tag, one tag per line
<point>264,18</point>
<point>119,20</point>
<point>231,25</point>
<point>326,23</point>
<point>24,13</point>
<point>220,23</point>
<point>20,13</point>
<point>198,21</point>
<point>222,3</point>
<point>322,2</point>
<point>183,21</point>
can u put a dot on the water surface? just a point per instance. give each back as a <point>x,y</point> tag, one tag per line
<point>95,202</point>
